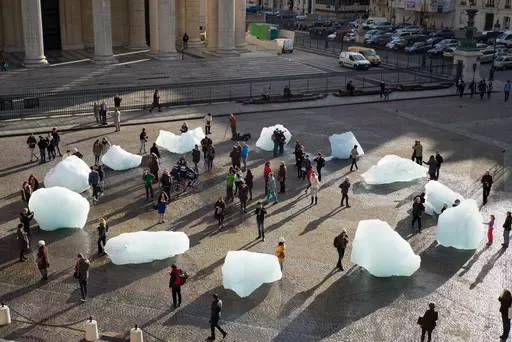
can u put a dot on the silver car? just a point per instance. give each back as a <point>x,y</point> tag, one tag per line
<point>487,56</point>
<point>503,62</point>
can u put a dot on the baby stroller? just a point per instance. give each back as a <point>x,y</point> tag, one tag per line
<point>243,137</point>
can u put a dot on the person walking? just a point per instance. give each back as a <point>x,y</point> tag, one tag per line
<point>26,192</point>
<point>315,185</point>
<point>239,178</point>
<point>82,274</point>
<point>279,253</point>
<point>175,283</point>
<point>32,142</point>
<point>428,322</point>
<point>482,87</point>
<point>208,124</point>
<point>153,166</point>
<point>382,86</point>
<point>25,217</point>
<point>235,157</point>
<point>185,41</point>
<point>472,88</point>
<point>143,138</point>
<point>23,242</point>
<point>432,167</point>
<point>505,300</point>
<point>96,150</point>
<point>196,157</point>
<point>244,154</point>
<point>43,262</point>
<point>306,166</point>
<point>417,210</point>
<point>418,152</point>
<point>156,101</point>
<point>94,179</point>
<point>117,101</point>
<point>354,155</point>
<point>340,243</point>
<point>299,157</point>
<point>220,211</point>
<point>249,178</point>
<point>230,183</point>
<point>165,183</point>
<point>215,317</point>
<point>50,146</point>
<point>490,228</point>
<point>320,163</point>
<point>102,236</point>
<point>206,142</point>
<point>507,226</point>
<point>486,186</point>
<point>507,89</point>
<point>232,123</point>
<point>281,177</point>
<point>489,89</point>
<point>42,144</point>
<point>344,191</point>
<point>101,185</point>
<point>439,160</point>
<point>209,157</point>
<point>116,117</point>
<point>96,111</point>
<point>271,188</point>
<point>260,213</point>
<point>148,179</point>
<point>56,140</point>
<point>242,196</point>
<point>267,169</point>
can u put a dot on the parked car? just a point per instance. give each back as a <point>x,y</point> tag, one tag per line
<point>503,62</point>
<point>351,37</point>
<point>482,46</point>
<point>487,56</point>
<point>402,26</point>
<point>505,39</point>
<point>353,60</point>
<point>369,54</point>
<point>301,17</point>
<point>489,36</point>
<point>443,33</point>
<point>396,44</point>
<point>332,36</point>
<point>380,39</point>
<point>448,52</point>
<point>434,41</point>
<point>415,38</point>
<point>419,47</point>
<point>385,25</point>
<point>286,15</point>
<point>438,49</point>
<point>401,35</point>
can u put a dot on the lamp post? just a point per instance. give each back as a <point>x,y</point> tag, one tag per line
<point>495,28</point>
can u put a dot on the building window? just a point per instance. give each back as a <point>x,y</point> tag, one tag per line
<point>507,3</point>
<point>489,3</point>
<point>462,19</point>
<point>506,22</point>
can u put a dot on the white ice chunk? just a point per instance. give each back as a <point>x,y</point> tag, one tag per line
<point>265,141</point>
<point>142,247</point>
<point>58,207</point>
<point>460,227</point>
<point>180,144</point>
<point>436,195</point>
<point>243,271</point>
<point>118,159</point>
<point>342,145</point>
<point>382,251</point>
<point>71,173</point>
<point>391,169</point>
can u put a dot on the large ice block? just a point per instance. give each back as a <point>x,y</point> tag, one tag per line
<point>71,173</point>
<point>180,144</point>
<point>460,227</point>
<point>243,271</point>
<point>142,247</point>
<point>118,159</point>
<point>436,195</point>
<point>265,141</point>
<point>382,251</point>
<point>342,145</point>
<point>58,207</point>
<point>391,169</point>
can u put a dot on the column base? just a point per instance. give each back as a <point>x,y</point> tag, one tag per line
<point>165,56</point>
<point>138,46</point>
<point>196,42</point>
<point>104,59</point>
<point>35,63</point>
<point>227,52</point>
<point>242,48</point>
<point>211,52</point>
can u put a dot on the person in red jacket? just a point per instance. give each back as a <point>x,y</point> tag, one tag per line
<point>232,123</point>
<point>266,170</point>
<point>310,172</point>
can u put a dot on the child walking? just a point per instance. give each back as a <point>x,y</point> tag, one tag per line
<point>490,228</point>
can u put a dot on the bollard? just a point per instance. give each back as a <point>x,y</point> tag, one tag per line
<point>91,330</point>
<point>5,314</point>
<point>136,334</point>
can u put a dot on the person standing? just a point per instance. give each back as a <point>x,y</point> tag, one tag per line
<point>25,217</point>
<point>153,166</point>
<point>306,166</point>
<point>249,178</point>
<point>340,243</point>
<point>51,146</point>
<point>96,111</point>
<point>428,322</point>
<point>354,155</point>
<point>271,188</point>
<point>505,300</point>
<point>116,117</point>
<point>235,157</point>
<point>230,183</point>
<point>315,184</point>
<point>266,170</point>
<point>96,150</point>
<point>105,145</point>
<point>244,154</point>
<point>489,89</point>
<point>232,123</point>
<point>417,210</point>
<point>295,152</point>
<point>102,236</point>
<point>507,89</point>
<point>439,160</point>
<point>42,144</point>
<point>418,152</point>
<point>165,183</point>
<point>472,88</point>
<point>490,228</point>
<point>32,142</point>
<point>299,157</point>
<point>215,317</point>
<point>281,177</point>
<point>208,124</point>
<point>242,196</point>
<point>482,87</point>
<point>320,163</point>
<point>309,173</point>
<point>210,155</point>
<point>432,167</point>
<point>43,262</point>
<point>156,101</point>
<point>143,138</point>
<point>56,140</point>
<point>185,41</point>
<point>175,283</point>
<point>220,211</point>
<point>344,191</point>
<point>101,185</point>
<point>103,112</point>
<point>206,142</point>
<point>82,274</point>
<point>279,253</point>
<point>34,184</point>
<point>382,88</point>
<point>94,179</point>
<point>196,157</point>
<point>26,192</point>
<point>486,185</point>
<point>507,226</point>
<point>117,101</point>
<point>260,213</point>
<point>23,242</point>
<point>148,179</point>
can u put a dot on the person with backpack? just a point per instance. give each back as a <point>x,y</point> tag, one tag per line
<point>102,236</point>
<point>320,163</point>
<point>260,213</point>
<point>428,322</point>
<point>439,160</point>
<point>340,243</point>
<point>176,280</point>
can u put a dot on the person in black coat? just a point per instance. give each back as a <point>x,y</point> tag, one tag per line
<point>165,183</point>
<point>432,167</point>
<point>215,317</point>
<point>260,213</point>
<point>242,196</point>
<point>154,149</point>
<point>299,156</point>
<point>249,178</point>
<point>175,284</point>
<point>42,144</point>
<point>25,218</point>
<point>235,157</point>
<point>439,160</point>
<point>417,210</point>
<point>428,322</point>
<point>196,157</point>
<point>507,226</point>
<point>320,163</point>
<point>505,301</point>
<point>220,211</point>
<point>102,236</point>
<point>23,242</point>
<point>56,140</point>
<point>486,186</point>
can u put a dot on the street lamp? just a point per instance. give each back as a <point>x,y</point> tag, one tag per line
<point>495,28</point>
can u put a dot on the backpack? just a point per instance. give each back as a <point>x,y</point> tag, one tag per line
<point>181,277</point>
<point>336,242</point>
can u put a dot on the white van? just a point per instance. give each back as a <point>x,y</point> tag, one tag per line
<point>353,60</point>
<point>285,45</point>
<point>371,22</point>
<point>505,38</point>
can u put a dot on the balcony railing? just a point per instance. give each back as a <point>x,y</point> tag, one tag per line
<point>489,4</point>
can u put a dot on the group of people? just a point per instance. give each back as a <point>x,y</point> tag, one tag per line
<point>48,144</point>
<point>482,87</point>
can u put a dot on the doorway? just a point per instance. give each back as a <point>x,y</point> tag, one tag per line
<point>51,24</point>
<point>146,11</point>
<point>489,21</point>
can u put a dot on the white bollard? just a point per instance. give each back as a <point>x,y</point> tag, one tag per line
<point>91,330</point>
<point>136,335</point>
<point>5,315</point>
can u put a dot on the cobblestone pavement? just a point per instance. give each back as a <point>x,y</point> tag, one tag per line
<point>311,302</point>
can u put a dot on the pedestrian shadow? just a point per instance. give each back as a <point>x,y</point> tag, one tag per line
<point>18,168</point>
<point>362,188</point>
<point>487,268</point>
<point>315,223</point>
<point>472,261</point>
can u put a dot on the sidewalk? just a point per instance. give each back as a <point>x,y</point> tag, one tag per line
<point>40,125</point>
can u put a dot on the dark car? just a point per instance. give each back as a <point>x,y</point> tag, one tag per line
<point>287,15</point>
<point>419,47</point>
<point>434,41</point>
<point>402,26</point>
<point>438,49</point>
<point>443,33</point>
<point>396,44</point>
<point>380,39</point>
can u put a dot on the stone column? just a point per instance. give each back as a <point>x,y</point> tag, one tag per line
<point>212,34</point>
<point>12,25</point>
<point>192,22</point>
<point>153,26</point>
<point>87,25</point>
<point>240,26</point>
<point>180,22</point>
<point>226,24</point>
<point>33,33</point>
<point>167,29</point>
<point>137,25</point>
<point>102,21</point>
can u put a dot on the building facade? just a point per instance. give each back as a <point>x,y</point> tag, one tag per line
<point>357,7</point>
<point>33,26</point>
<point>490,13</point>
<point>425,13</point>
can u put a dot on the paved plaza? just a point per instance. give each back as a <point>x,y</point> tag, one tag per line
<point>312,302</point>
